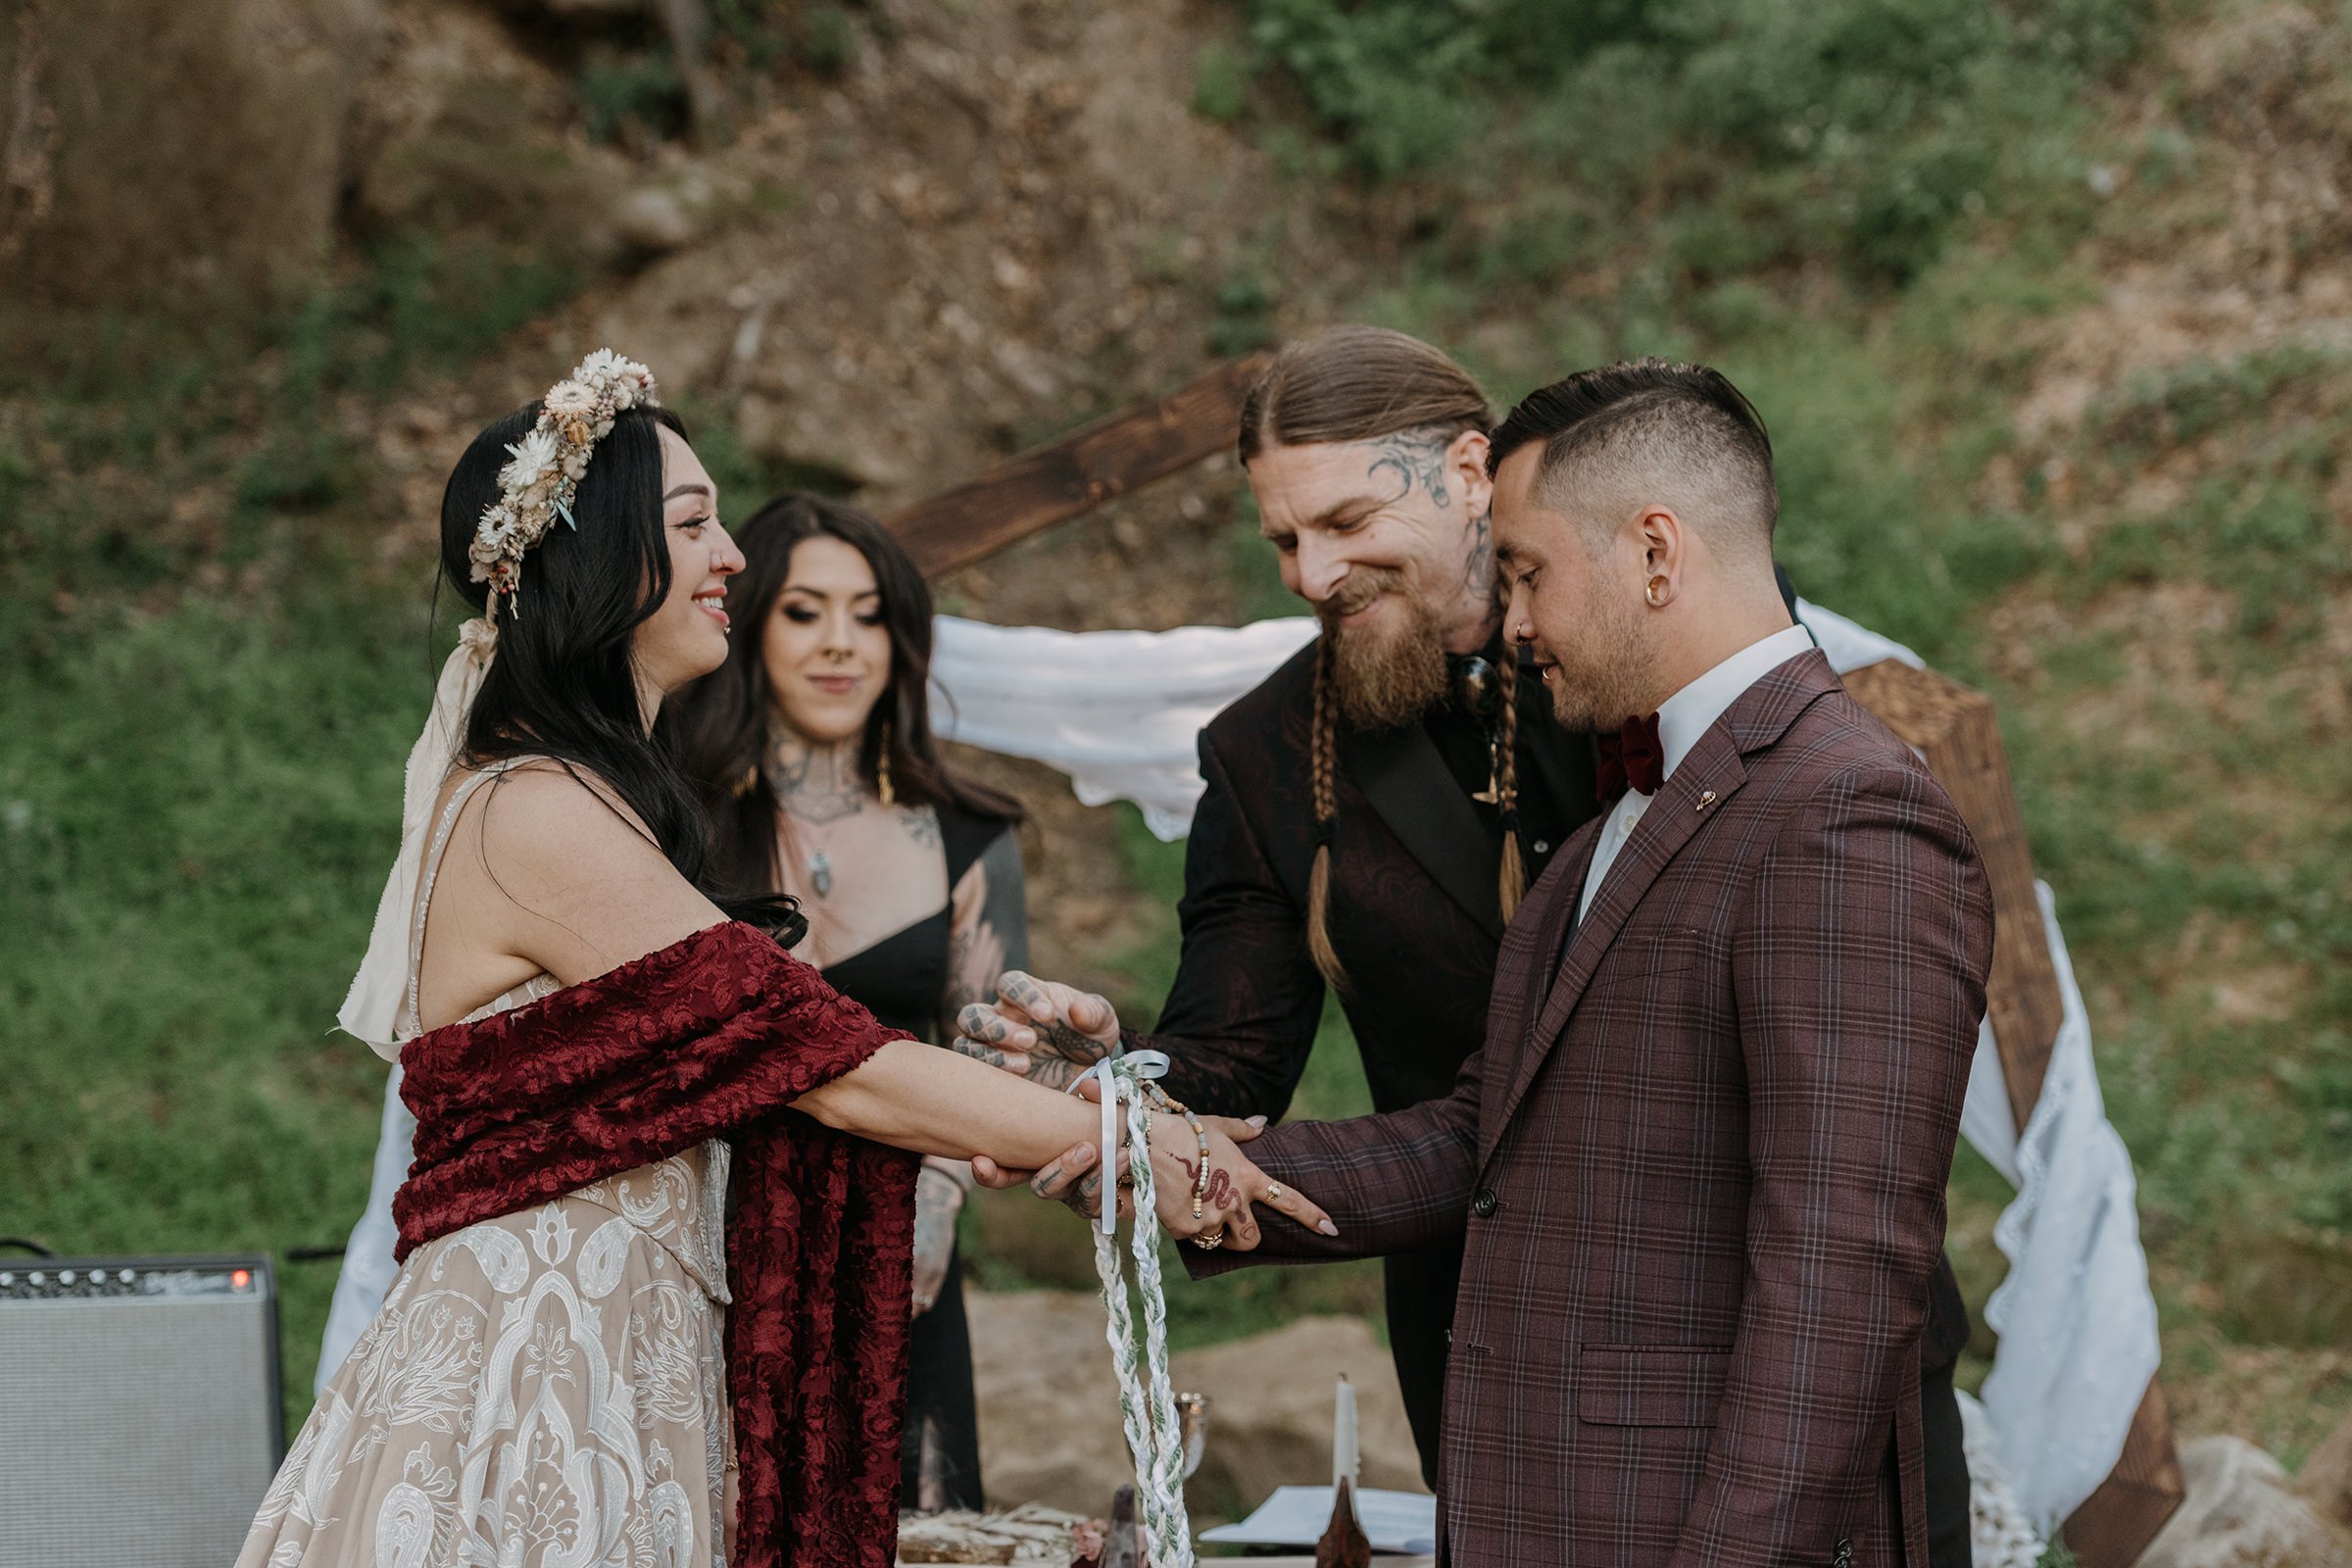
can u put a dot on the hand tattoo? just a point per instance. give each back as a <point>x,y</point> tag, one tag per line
<point>965,1045</point>
<point>1082,1197</point>
<point>1220,1185</point>
<point>1062,1054</point>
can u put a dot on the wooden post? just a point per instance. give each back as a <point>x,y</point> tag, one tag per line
<point>1064,478</point>
<point>1955,729</point>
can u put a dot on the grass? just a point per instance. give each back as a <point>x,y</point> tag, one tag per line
<point>196,811</point>
<point>1876,218</point>
<point>1882,260</point>
<point>210,673</point>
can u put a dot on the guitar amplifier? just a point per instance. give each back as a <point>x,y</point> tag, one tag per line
<point>143,1421</point>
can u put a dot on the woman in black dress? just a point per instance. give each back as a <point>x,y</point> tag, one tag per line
<point>814,744</point>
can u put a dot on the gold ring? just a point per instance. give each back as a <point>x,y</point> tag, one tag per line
<point>1273,1192</point>
<point>1209,1241</point>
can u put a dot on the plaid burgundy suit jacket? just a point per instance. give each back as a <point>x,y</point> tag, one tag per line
<point>1701,1161</point>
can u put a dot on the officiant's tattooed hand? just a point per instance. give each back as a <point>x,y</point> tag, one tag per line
<point>1048,1032</point>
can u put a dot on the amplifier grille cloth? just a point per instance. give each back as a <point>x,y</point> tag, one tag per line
<point>136,1433</point>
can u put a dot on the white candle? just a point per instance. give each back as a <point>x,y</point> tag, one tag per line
<point>1344,1457</point>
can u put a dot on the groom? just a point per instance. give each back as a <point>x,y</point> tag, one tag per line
<point>1701,1157</point>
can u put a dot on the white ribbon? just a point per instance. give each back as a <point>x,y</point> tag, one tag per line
<point>371,1009</point>
<point>1144,1064</point>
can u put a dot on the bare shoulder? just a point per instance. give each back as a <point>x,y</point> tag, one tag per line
<point>550,812</point>
<point>578,882</point>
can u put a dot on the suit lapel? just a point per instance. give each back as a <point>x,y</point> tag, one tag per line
<point>1709,776</point>
<point>1416,794</point>
<point>1713,768</point>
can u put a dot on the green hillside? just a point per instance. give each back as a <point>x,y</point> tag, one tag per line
<point>2035,299</point>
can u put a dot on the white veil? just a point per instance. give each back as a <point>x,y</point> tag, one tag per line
<point>373,1008</point>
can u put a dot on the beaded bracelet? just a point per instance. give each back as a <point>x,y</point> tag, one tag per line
<point>1161,1101</point>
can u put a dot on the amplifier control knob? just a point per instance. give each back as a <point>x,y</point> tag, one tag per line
<point>66,1278</point>
<point>38,1277</point>
<point>5,1280</point>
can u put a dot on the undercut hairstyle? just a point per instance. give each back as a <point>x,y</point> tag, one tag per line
<point>1361,383</point>
<point>1650,431</point>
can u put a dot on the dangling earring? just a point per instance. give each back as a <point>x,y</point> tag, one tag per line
<point>882,767</point>
<point>1653,592</point>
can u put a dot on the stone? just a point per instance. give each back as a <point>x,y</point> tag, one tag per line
<point>1049,1405</point>
<point>1269,1415</point>
<point>2242,1512</point>
<point>1050,1413</point>
<point>458,136</point>
<point>665,217</point>
<point>185,147</point>
<point>2325,1481</point>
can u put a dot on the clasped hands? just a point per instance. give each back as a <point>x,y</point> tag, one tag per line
<point>1051,1034</point>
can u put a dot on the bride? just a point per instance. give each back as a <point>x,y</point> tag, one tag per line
<point>585,1358</point>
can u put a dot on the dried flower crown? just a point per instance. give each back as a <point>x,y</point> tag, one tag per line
<point>544,472</point>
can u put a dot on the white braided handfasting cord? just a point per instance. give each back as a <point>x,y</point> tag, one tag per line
<point>1147,1398</point>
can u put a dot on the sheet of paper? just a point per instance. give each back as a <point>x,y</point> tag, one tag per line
<point>1296,1517</point>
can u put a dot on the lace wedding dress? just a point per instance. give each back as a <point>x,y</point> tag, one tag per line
<point>544,1390</point>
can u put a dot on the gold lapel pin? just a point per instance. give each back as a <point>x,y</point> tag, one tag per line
<point>1706,798</point>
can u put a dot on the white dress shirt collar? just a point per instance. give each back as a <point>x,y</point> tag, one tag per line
<point>1682,719</point>
<point>1692,711</point>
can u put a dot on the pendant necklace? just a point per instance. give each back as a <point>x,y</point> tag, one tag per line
<point>821,874</point>
<point>1479,691</point>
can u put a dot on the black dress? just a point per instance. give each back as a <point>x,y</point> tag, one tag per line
<point>902,980</point>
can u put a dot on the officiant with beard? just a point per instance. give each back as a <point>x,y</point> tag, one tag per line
<point>1373,811</point>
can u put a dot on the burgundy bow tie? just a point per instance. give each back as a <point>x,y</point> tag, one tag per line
<point>1631,758</point>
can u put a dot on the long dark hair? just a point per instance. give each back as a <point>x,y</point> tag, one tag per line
<point>717,728</point>
<point>563,683</point>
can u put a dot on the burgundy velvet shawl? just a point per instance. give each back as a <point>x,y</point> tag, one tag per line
<point>711,1037</point>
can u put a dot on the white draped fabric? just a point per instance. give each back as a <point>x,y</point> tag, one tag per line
<point>2077,1321</point>
<point>1119,712</point>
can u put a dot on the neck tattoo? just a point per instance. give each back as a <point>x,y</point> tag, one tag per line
<point>815,784</point>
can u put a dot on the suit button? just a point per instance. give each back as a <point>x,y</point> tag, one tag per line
<point>1485,1203</point>
<point>1842,1555</point>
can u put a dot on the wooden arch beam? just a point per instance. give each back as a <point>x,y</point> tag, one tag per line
<point>1071,477</point>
